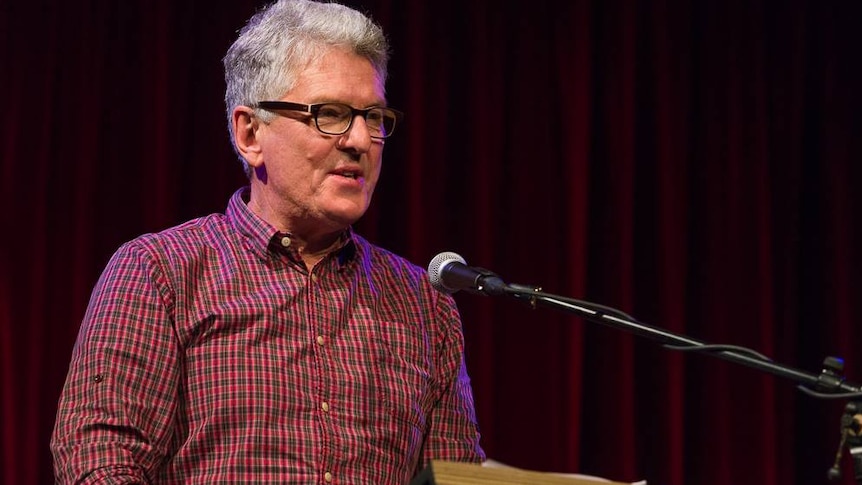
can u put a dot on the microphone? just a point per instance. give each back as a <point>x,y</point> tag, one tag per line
<point>449,273</point>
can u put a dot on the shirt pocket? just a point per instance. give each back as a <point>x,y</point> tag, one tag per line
<point>403,371</point>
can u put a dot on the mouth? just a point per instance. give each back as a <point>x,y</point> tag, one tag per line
<point>351,173</point>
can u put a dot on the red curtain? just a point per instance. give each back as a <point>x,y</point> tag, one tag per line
<point>693,163</point>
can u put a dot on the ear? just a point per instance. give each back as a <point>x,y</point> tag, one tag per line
<point>246,128</point>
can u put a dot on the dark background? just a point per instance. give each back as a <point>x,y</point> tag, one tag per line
<point>693,163</point>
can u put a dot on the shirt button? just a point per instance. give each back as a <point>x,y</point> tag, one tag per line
<point>327,476</point>
<point>325,407</point>
<point>319,340</point>
<point>285,241</point>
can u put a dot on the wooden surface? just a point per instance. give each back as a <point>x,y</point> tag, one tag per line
<point>452,473</point>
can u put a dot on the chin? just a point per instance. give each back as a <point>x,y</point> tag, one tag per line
<point>345,210</point>
<point>345,217</point>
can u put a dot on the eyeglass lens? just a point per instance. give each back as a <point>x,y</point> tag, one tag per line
<point>334,118</point>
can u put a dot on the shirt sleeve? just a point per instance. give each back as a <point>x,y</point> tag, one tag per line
<point>118,404</point>
<point>453,432</point>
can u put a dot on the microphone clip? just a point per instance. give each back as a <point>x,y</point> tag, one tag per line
<point>487,283</point>
<point>526,292</point>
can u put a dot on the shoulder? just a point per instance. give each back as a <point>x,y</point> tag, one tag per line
<point>387,263</point>
<point>176,249</point>
<point>185,241</point>
<point>388,270</point>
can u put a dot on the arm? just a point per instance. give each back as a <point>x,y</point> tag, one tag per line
<point>117,407</point>
<point>453,432</point>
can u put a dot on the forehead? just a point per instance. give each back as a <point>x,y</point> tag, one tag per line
<point>339,75</point>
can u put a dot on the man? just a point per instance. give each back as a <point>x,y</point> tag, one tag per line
<point>271,344</point>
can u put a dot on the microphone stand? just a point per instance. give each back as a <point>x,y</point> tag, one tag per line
<point>829,383</point>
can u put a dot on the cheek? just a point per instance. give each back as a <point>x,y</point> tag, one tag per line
<point>375,172</point>
<point>303,164</point>
<point>376,165</point>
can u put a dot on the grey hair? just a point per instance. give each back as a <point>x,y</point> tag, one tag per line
<point>279,41</point>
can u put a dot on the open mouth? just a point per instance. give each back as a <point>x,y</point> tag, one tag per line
<point>351,174</point>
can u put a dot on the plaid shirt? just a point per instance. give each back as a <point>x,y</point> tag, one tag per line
<point>210,354</point>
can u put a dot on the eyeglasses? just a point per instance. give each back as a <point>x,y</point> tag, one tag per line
<point>337,118</point>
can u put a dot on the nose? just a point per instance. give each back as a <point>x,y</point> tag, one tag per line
<point>357,138</point>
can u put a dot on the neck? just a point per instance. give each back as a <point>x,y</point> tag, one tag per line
<point>311,239</point>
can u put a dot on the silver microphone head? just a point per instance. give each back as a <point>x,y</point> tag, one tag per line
<point>435,269</point>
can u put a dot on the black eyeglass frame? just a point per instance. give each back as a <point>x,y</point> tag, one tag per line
<point>313,109</point>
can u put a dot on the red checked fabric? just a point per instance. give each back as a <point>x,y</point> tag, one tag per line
<point>209,354</point>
